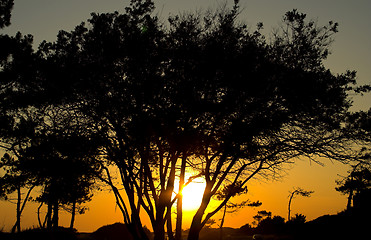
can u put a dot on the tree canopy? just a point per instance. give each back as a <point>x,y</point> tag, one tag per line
<point>6,7</point>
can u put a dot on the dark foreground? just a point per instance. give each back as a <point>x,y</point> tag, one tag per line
<point>329,227</point>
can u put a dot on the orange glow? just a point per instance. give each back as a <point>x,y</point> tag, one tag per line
<point>192,195</point>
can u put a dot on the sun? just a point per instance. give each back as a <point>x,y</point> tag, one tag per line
<point>192,195</point>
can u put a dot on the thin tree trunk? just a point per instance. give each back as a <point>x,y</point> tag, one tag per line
<point>196,225</point>
<point>21,208</point>
<point>350,197</point>
<point>55,215</point>
<point>289,207</point>
<point>169,224</point>
<point>73,213</point>
<point>179,211</point>
<point>38,215</point>
<point>48,217</point>
<point>17,225</point>
<point>222,222</point>
<point>179,216</point>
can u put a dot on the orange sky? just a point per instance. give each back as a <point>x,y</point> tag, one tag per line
<point>351,50</point>
<point>273,195</point>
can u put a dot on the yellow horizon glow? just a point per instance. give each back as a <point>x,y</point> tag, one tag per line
<point>273,195</point>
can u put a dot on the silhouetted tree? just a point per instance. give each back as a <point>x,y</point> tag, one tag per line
<point>358,180</point>
<point>6,7</point>
<point>230,207</point>
<point>261,215</point>
<point>297,191</point>
<point>63,159</point>
<point>246,229</point>
<point>204,93</point>
<point>16,63</point>
<point>299,219</point>
<point>14,181</point>
<point>271,225</point>
<point>61,164</point>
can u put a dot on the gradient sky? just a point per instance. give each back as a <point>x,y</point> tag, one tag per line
<point>351,50</point>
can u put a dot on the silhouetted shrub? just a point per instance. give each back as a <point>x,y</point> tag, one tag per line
<point>246,230</point>
<point>116,231</point>
<point>274,225</point>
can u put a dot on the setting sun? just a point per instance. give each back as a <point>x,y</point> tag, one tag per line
<point>192,195</point>
<point>192,192</point>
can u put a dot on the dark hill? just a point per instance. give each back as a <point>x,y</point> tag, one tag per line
<point>116,231</point>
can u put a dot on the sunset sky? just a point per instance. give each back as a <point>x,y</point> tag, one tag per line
<point>351,50</point>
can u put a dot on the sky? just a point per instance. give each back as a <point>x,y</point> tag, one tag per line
<point>351,50</point>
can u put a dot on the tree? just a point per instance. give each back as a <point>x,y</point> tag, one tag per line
<point>233,207</point>
<point>204,94</point>
<point>59,155</point>
<point>261,215</point>
<point>28,121</point>
<point>14,180</point>
<point>6,7</point>
<point>295,192</point>
<point>358,180</point>
<point>298,219</point>
<point>271,225</point>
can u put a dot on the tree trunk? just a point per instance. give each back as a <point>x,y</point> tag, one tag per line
<point>196,225</point>
<point>159,228</point>
<point>17,224</point>
<point>20,208</point>
<point>289,207</point>
<point>194,231</point>
<point>55,215</point>
<point>179,208</point>
<point>164,202</point>
<point>73,213</point>
<point>350,197</point>
<point>169,224</point>
<point>222,222</point>
<point>159,231</point>
<point>48,217</point>
<point>38,215</point>
<point>179,216</point>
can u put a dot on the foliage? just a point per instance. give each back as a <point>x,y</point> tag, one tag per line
<point>6,7</point>
<point>271,225</point>
<point>298,219</point>
<point>357,182</point>
<point>297,191</point>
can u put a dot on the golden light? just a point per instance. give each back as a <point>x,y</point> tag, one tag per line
<point>192,193</point>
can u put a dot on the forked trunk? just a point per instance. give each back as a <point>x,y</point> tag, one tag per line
<point>17,225</point>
